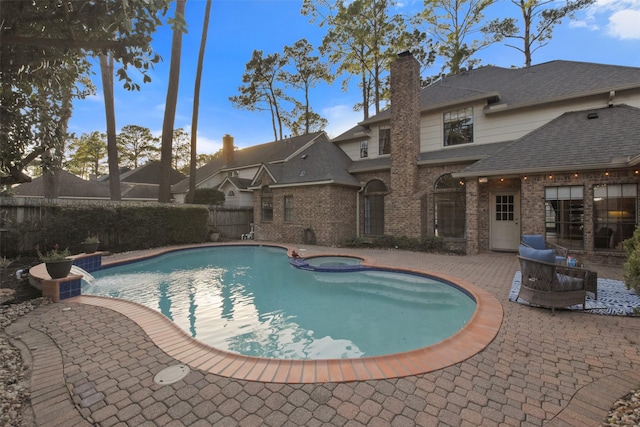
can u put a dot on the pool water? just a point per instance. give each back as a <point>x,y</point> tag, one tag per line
<point>250,300</point>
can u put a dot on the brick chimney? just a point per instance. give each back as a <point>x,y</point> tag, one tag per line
<point>227,149</point>
<point>403,203</point>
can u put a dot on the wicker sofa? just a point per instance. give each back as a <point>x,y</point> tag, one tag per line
<point>550,285</point>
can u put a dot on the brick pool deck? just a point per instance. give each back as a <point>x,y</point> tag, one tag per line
<point>91,365</point>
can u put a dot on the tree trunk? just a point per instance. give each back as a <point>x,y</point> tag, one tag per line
<point>196,106</point>
<point>164,192</point>
<point>51,176</point>
<point>106,69</point>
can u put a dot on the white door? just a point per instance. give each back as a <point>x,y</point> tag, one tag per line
<point>505,220</point>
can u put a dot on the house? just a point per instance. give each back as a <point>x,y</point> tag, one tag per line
<point>232,172</point>
<point>139,184</point>
<point>478,158</point>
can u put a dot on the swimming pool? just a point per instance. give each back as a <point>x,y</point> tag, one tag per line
<point>249,300</point>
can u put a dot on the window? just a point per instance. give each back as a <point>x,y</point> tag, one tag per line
<point>564,216</point>
<point>384,141</point>
<point>614,214</point>
<point>364,149</point>
<point>505,208</point>
<point>230,193</point>
<point>374,194</point>
<point>450,207</point>
<point>458,126</point>
<point>288,208</point>
<point>267,204</point>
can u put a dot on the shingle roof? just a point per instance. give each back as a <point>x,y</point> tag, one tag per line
<point>322,162</point>
<point>461,153</point>
<point>275,151</point>
<point>72,186</point>
<point>149,173</point>
<point>610,138</point>
<point>368,165</point>
<point>509,88</point>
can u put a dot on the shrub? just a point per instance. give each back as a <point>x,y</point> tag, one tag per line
<point>426,244</point>
<point>632,265</point>
<point>208,196</point>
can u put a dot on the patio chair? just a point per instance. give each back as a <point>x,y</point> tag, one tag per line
<point>536,241</point>
<point>550,285</point>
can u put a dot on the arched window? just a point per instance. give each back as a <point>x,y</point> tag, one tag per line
<point>230,193</point>
<point>266,204</point>
<point>374,194</point>
<point>450,207</point>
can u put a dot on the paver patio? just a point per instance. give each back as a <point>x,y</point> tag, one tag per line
<point>93,366</point>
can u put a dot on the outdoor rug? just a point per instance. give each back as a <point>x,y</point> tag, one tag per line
<point>614,298</point>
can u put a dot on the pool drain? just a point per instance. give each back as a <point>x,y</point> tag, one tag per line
<point>171,374</point>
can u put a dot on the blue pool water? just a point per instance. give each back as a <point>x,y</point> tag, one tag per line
<point>250,300</point>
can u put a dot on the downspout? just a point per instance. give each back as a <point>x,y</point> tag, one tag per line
<point>358,209</point>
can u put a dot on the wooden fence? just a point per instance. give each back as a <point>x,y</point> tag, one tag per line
<point>231,222</point>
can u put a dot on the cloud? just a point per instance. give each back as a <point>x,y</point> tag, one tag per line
<point>624,25</point>
<point>619,18</point>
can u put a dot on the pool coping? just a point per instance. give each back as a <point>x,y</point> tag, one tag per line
<point>175,342</point>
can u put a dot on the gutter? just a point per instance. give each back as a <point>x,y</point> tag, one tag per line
<point>555,169</point>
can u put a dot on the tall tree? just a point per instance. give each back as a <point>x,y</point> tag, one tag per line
<point>309,71</point>
<point>362,39</point>
<point>88,154</point>
<point>196,105</point>
<point>106,69</point>
<point>534,12</point>
<point>44,43</point>
<point>261,90</point>
<point>137,145</point>
<point>179,26</point>
<point>180,151</point>
<point>452,24</point>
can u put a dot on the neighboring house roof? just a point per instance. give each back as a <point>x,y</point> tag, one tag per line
<point>241,184</point>
<point>271,152</point>
<point>138,184</point>
<point>320,163</point>
<point>578,140</point>
<point>511,88</point>
<point>149,173</point>
<point>74,187</point>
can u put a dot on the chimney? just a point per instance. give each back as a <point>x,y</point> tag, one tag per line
<point>227,149</point>
<point>405,123</point>
<point>405,148</point>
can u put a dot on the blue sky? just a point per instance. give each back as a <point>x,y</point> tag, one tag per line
<point>608,32</point>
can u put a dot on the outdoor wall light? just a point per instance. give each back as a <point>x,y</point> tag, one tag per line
<point>483,180</point>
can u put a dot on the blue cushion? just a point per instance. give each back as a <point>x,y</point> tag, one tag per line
<point>535,241</point>
<point>546,255</point>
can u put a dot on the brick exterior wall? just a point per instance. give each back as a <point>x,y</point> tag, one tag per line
<point>328,211</point>
<point>402,206</point>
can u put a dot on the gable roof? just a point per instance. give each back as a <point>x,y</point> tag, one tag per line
<point>589,139</point>
<point>270,152</point>
<point>74,187</point>
<point>149,173</point>
<point>320,163</point>
<point>71,186</point>
<point>240,183</point>
<point>506,89</point>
